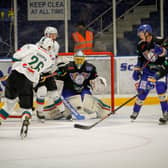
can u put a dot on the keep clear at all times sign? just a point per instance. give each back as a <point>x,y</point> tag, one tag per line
<point>47,9</point>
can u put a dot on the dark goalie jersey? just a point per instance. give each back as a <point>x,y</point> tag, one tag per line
<point>77,79</point>
<point>154,62</point>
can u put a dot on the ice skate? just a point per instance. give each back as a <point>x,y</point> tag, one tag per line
<point>133,116</point>
<point>24,128</point>
<point>164,119</point>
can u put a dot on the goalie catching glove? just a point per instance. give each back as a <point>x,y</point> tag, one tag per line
<point>99,84</point>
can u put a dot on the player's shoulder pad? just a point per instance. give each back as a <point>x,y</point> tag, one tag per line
<point>70,66</point>
<point>40,41</point>
<point>56,44</point>
<point>162,41</point>
<point>89,66</point>
<point>29,47</point>
<point>142,45</point>
<point>141,41</point>
<point>158,40</point>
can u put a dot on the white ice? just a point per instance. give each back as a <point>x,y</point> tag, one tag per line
<point>114,143</point>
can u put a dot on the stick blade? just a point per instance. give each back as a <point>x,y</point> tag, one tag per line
<point>79,126</point>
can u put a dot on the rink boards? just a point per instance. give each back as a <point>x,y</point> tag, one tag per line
<point>123,75</point>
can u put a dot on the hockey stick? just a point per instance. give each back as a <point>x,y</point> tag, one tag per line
<point>86,127</point>
<point>73,111</point>
<point>5,77</point>
<point>51,75</point>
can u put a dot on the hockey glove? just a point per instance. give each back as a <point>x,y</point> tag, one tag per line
<point>43,77</point>
<point>136,75</point>
<point>3,77</point>
<point>99,84</point>
<point>1,74</point>
<point>158,50</point>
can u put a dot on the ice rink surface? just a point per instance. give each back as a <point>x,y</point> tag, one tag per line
<point>115,143</point>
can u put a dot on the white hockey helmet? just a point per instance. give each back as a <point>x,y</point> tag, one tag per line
<point>46,43</point>
<point>50,30</point>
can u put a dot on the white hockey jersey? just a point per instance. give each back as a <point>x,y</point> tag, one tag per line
<point>31,61</point>
<point>53,53</point>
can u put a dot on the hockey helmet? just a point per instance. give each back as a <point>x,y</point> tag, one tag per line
<point>46,43</point>
<point>144,28</point>
<point>50,30</point>
<point>79,58</point>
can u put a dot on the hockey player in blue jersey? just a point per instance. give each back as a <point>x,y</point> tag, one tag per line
<point>149,69</point>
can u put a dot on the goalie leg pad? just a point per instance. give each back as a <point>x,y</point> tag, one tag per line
<point>103,109</point>
<point>93,105</point>
<point>53,94</point>
<point>76,102</point>
<point>89,104</point>
<point>54,114</point>
<point>41,94</point>
<point>59,104</point>
<point>56,107</point>
<point>7,108</point>
<point>57,101</point>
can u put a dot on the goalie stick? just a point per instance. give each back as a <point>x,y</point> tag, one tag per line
<point>73,111</point>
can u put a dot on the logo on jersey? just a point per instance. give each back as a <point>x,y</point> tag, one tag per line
<point>150,55</point>
<point>89,68</point>
<point>79,78</point>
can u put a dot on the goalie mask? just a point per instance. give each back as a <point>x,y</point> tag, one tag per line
<point>79,59</point>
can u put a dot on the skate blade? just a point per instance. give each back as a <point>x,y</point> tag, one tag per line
<point>41,120</point>
<point>162,123</point>
<point>23,134</point>
<point>132,120</point>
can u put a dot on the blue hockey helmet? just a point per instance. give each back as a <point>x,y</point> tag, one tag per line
<point>145,28</point>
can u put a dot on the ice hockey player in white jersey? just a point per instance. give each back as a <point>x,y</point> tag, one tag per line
<point>29,62</point>
<point>48,88</point>
<point>80,78</point>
